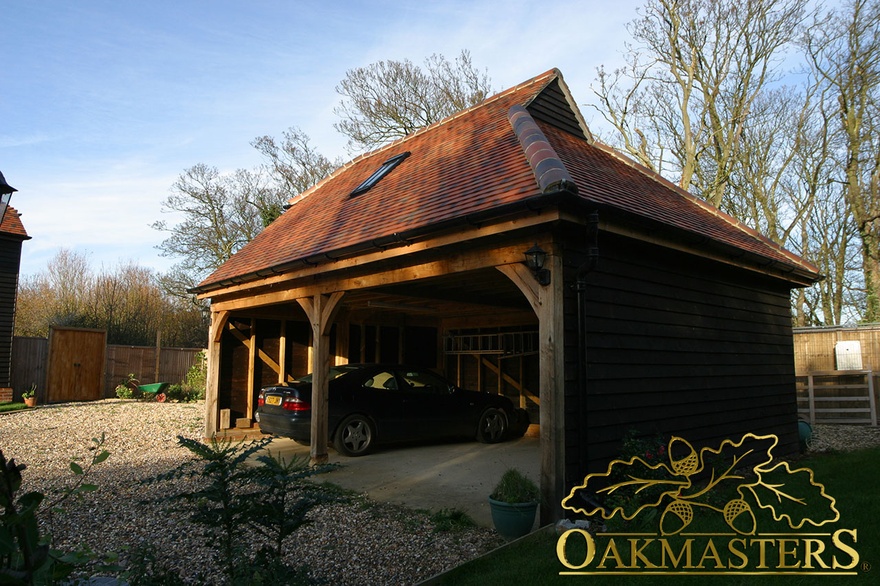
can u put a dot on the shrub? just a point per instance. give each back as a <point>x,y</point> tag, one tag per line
<point>183,394</point>
<point>234,496</point>
<point>127,389</point>
<point>197,377</point>
<point>651,449</point>
<point>192,388</point>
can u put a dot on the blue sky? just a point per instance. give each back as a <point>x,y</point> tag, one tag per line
<point>105,103</point>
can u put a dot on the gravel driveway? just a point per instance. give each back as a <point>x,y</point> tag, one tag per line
<point>354,543</point>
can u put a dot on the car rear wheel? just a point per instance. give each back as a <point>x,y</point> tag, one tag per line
<point>492,427</point>
<point>355,436</point>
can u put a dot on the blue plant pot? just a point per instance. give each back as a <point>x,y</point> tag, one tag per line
<point>512,520</point>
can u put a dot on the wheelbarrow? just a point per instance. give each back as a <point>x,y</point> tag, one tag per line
<point>154,391</point>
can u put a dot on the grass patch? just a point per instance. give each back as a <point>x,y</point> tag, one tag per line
<point>452,520</point>
<point>4,407</point>
<point>851,478</point>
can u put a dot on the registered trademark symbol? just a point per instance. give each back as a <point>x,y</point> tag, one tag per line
<point>866,567</point>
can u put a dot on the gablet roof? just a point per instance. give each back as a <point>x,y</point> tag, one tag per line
<point>525,144</point>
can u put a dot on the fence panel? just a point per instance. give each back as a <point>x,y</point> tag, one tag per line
<point>29,357</point>
<point>814,347</point>
<point>140,361</point>
<point>837,397</point>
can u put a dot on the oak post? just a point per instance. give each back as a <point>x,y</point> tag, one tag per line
<point>321,311</point>
<point>546,301</point>
<point>212,383</point>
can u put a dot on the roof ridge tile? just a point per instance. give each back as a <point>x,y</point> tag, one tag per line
<point>549,170</point>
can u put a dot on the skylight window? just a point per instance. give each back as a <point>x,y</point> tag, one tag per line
<point>381,172</point>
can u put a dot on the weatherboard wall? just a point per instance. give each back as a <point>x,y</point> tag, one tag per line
<point>677,345</point>
<point>10,260</point>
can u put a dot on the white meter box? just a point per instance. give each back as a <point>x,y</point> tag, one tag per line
<point>849,355</point>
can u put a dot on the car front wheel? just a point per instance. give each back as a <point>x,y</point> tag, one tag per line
<point>355,436</point>
<point>492,427</point>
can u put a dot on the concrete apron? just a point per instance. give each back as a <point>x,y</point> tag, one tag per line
<point>446,476</point>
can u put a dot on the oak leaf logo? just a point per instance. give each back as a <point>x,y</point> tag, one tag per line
<point>691,478</point>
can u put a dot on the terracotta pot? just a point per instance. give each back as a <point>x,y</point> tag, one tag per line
<point>30,401</point>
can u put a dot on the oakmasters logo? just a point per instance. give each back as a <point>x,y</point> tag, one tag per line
<point>680,511</point>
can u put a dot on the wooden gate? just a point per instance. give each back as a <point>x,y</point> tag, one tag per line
<point>75,371</point>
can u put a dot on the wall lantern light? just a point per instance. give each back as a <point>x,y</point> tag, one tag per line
<point>535,259</point>
<point>6,192</point>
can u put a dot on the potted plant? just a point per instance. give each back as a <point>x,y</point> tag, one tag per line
<point>513,504</point>
<point>29,396</point>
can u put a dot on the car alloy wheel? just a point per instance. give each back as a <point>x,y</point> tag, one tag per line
<point>354,436</point>
<point>492,427</point>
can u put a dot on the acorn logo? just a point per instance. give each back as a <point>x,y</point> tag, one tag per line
<point>731,480</point>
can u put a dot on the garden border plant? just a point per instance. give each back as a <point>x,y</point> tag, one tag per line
<point>236,495</point>
<point>26,554</point>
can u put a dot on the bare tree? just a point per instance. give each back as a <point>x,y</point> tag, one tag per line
<point>126,302</point>
<point>293,163</point>
<point>55,296</point>
<point>391,99</point>
<point>844,49</point>
<point>699,101</point>
<point>693,76</point>
<point>220,214</point>
<point>767,191</point>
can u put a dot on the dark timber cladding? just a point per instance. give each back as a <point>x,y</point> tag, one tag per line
<point>10,256</point>
<point>12,234</point>
<point>552,107</point>
<point>681,345</point>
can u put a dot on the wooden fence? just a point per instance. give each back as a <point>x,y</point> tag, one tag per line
<point>837,397</point>
<point>814,348</point>
<point>828,394</point>
<point>29,357</point>
<point>171,366</point>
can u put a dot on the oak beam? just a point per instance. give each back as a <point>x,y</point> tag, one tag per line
<point>252,363</point>
<point>471,233</point>
<point>480,258</point>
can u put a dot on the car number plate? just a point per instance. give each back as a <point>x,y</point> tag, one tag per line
<point>273,400</point>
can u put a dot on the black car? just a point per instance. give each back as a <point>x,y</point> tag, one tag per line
<point>372,403</point>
